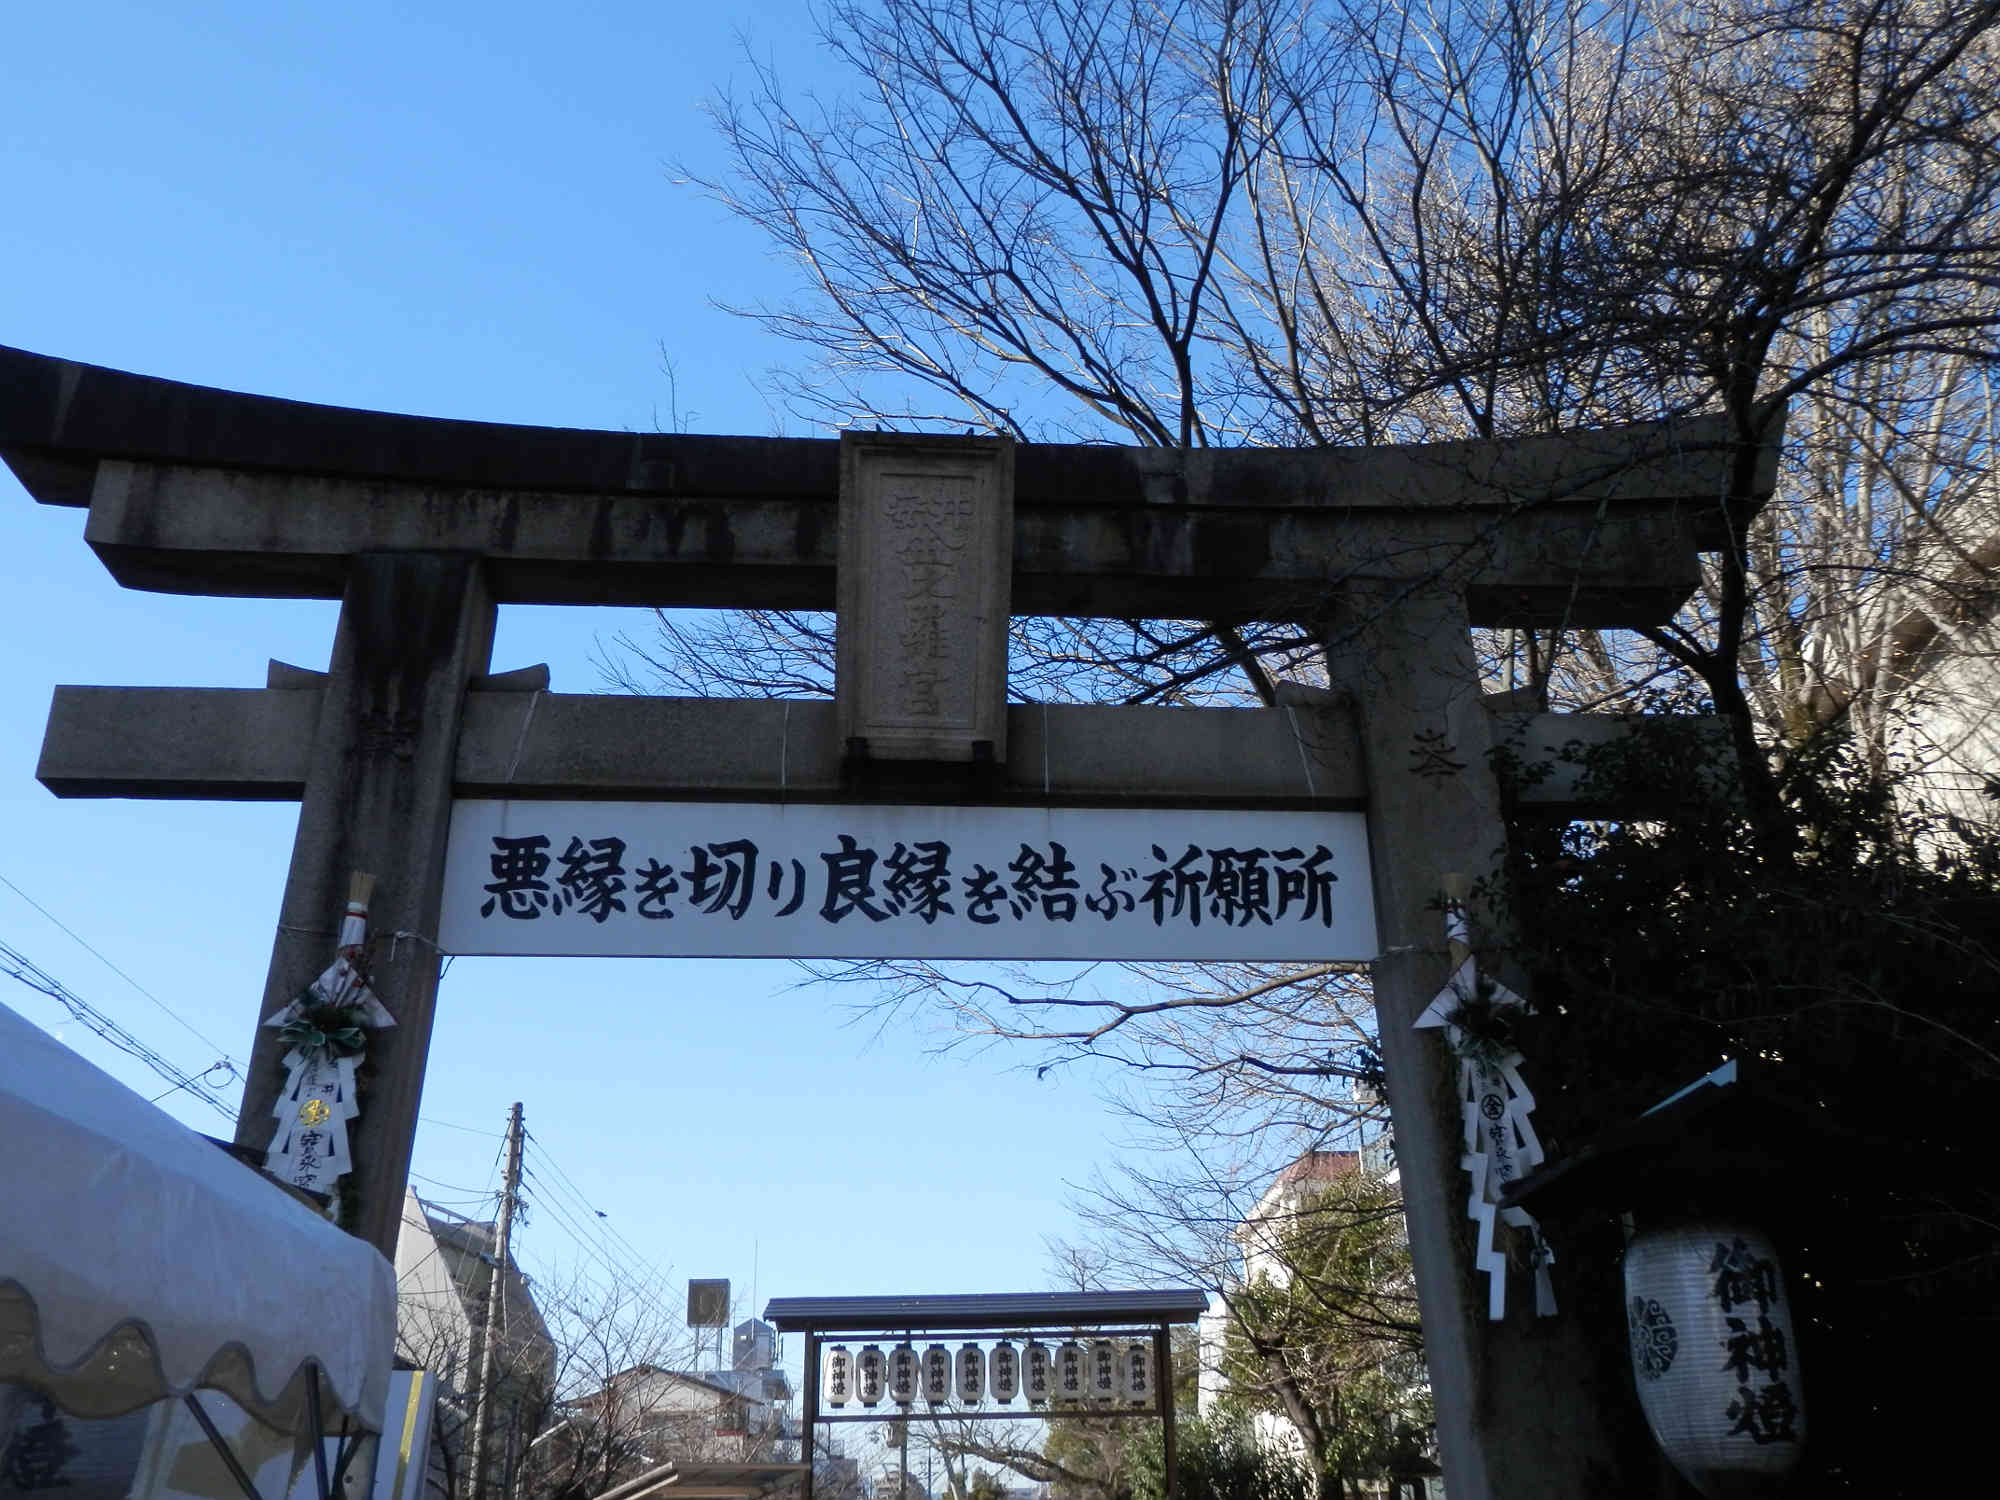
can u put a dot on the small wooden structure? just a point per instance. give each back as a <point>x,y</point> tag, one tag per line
<point>1081,1316</point>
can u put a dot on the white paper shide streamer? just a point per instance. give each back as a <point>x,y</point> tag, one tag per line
<point>310,1148</point>
<point>1500,1141</point>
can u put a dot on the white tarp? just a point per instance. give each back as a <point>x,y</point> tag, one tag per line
<point>138,1260</point>
<point>838,880</point>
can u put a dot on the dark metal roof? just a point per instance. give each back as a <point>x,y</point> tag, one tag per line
<point>1716,1147</point>
<point>986,1310</point>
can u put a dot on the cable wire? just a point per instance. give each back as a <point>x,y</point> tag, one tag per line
<point>609,1230</point>
<point>19,966</point>
<point>74,937</point>
<point>620,1272</point>
<point>623,1261</point>
<point>611,1248</point>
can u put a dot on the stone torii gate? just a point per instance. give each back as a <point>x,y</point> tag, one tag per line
<point>421,527</point>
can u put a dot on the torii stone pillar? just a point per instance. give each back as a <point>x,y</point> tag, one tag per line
<point>415,628</point>
<point>1515,1413</point>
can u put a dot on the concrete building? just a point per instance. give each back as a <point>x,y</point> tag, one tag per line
<point>1952,741</point>
<point>444,1275</point>
<point>649,1415</point>
<point>1260,1240</point>
<point>837,1477</point>
<point>445,1270</point>
<point>690,1417</point>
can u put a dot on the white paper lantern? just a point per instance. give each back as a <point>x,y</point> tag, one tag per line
<point>902,1375</point>
<point>1068,1385</point>
<point>1104,1373</point>
<point>971,1375</point>
<point>937,1375</point>
<point>1713,1355</point>
<point>1003,1372</point>
<point>868,1370</point>
<point>1038,1373</point>
<point>1138,1371</point>
<point>839,1382</point>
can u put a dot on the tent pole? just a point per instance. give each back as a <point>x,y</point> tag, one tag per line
<point>221,1446</point>
<point>318,1433</point>
<point>350,1444</point>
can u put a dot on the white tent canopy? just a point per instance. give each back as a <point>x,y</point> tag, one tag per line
<point>139,1261</point>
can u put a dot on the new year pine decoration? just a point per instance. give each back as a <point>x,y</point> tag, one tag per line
<point>1500,1141</point>
<point>327,1027</point>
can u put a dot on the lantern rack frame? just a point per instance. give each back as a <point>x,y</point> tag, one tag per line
<point>921,1409</point>
<point>1050,1317</point>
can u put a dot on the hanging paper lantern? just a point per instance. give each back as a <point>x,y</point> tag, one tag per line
<point>1003,1370</point>
<point>868,1371</point>
<point>1068,1379</point>
<point>839,1380</point>
<point>1104,1374</point>
<point>1038,1370</point>
<point>971,1375</point>
<point>937,1375</point>
<point>902,1375</point>
<point>1713,1355</point>
<point>1138,1370</point>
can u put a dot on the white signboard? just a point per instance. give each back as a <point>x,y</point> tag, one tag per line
<point>826,880</point>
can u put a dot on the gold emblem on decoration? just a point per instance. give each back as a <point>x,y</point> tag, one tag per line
<point>314,1112</point>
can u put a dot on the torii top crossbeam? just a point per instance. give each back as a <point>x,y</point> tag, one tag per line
<point>196,490</point>
<point>1005,1310</point>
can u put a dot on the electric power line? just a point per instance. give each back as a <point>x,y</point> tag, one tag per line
<point>596,1252</point>
<point>619,1260</point>
<point>466,1194</point>
<point>223,1053</point>
<point>84,944</point>
<point>568,1184</point>
<point>17,964</point>
<point>594,1216</point>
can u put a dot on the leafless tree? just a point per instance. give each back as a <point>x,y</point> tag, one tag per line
<point>572,1428</point>
<point>1231,221</point>
<point>1244,221</point>
<point>1310,222</point>
<point>619,1409</point>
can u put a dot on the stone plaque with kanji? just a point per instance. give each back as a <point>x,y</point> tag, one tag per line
<point>926,552</point>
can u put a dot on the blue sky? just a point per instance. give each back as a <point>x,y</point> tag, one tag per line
<point>460,210</point>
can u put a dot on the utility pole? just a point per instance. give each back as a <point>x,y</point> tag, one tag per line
<point>496,1298</point>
